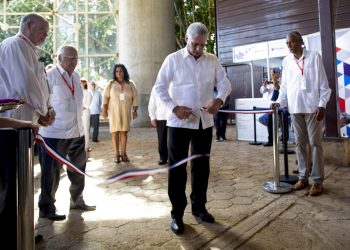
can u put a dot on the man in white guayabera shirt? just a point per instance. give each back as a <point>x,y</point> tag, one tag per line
<point>65,135</point>
<point>304,88</point>
<point>22,76</point>
<point>185,85</point>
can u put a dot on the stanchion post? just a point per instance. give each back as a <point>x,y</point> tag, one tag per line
<point>255,142</point>
<point>276,158</point>
<point>276,186</point>
<point>25,195</point>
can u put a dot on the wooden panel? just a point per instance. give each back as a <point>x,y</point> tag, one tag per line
<point>240,78</point>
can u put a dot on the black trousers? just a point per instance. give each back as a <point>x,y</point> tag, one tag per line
<point>269,129</point>
<point>95,124</point>
<point>179,141</point>
<point>74,150</point>
<point>220,125</point>
<point>162,133</point>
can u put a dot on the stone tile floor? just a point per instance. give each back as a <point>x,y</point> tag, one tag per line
<point>135,213</point>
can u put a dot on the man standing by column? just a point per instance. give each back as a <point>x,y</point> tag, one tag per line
<point>66,135</point>
<point>158,114</point>
<point>95,110</point>
<point>192,75</point>
<point>304,88</point>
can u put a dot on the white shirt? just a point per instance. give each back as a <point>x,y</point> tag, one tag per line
<point>192,84</point>
<point>267,91</point>
<point>22,76</point>
<point>156,108</point>
<point>68,123</point>
<point>95,106</point>
<point>315,93</point>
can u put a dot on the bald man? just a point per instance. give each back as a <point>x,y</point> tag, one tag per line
<point>305,90</point>
<point>66,135</point>
<point>22,76</point>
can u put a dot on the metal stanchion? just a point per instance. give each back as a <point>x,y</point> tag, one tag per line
<point>17,189</point>
<point>25,195</point>
<point>276,186</point>
<point>291,179</point>
<point>254,142</point>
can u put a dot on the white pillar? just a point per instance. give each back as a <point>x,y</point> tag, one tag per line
<point>146,37</point>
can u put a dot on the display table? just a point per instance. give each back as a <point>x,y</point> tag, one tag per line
<point>245,122</point>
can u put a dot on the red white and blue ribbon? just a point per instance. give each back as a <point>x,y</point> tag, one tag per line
<point>126,174</point>
<point>58,157</point>
<point>130,173</point>
<point>244,111</point>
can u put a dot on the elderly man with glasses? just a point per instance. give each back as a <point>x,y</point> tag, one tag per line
<point>66,135</point>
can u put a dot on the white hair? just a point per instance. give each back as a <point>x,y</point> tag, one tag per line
<point>61,50</point>
<point>197,29</point>
<point>32,17</point>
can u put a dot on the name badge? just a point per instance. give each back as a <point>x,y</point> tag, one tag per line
<point>303,83</point>
<point>122,97</point>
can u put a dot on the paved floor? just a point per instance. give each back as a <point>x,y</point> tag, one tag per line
<point>134,214</point>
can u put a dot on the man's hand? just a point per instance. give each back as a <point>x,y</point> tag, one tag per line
<point>274,106</point>
<point>265,83</point>
<point>213,106</point>
<point>182,112</point>
<point>48,119</point>
<point>320,111</point>
<point>154,123</point>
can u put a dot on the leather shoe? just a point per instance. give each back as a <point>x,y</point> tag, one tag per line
<point>162,162</point>
<point>83,207</point>
<point>267,144</point>
<point>315,189</point>
<point>204,215</point>
<point>52,216</point>
<point>38,238</point>
<point>301,184</point>
<point>177,226</point>
<point>95,140</point>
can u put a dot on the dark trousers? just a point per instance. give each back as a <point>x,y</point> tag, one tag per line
<point>95,124</point>
<point>282,122</point>
<point>220,125</point>
<point>74,150</point>
<point>162,133</point>
<point>269,129</point>
<point>179,142</point>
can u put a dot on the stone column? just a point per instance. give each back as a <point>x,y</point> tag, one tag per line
<point>146,37</point>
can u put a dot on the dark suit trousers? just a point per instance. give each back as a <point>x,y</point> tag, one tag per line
<point>162,133</point>
<point>95,124</point>
<point>74,150</point>
<point>179,142</point>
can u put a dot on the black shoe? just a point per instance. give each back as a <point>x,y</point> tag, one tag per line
<point>267,144</point>
<point>52,216</point>
<point>38,238</point>
<point>204,215</point>
<point>95,140</point>
<point>162,162</point>
<point>177,226</point>
<point>83,207</point>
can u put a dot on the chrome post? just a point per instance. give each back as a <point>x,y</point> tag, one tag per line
<point>276,186</point>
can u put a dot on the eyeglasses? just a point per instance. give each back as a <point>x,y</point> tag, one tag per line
<point>71,58</point>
